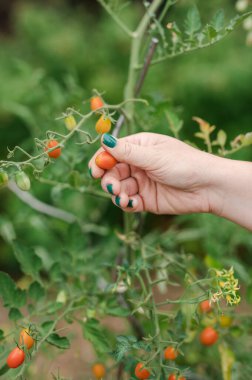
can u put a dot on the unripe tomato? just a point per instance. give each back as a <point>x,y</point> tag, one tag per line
<point>174,377</point>
<point>25,339</point>
<point>3,178</point>
<point>141,373</point>
<point>15,358</point>
<point>225,321</point>
<point>96,102</point>
<point>22,181</point>
<point>70,122</point>
<point>208,336</point>
<point>170,353</point>
<point>54,153</point>
<point>105,161</point>
<point>205,306</point>
<point>99,370</point>
<point>103,125</point>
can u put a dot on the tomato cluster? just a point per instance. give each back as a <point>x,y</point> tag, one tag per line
<point>17,356</point>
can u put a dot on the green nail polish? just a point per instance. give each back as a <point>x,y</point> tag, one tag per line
<point>117,201</point>
<point>90,172</point>
<point>110,188</point>
<point>109,140</point>
<point>130,203</point>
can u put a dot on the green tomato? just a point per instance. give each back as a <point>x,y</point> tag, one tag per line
<point>3,178</point>
<point>23,181</point>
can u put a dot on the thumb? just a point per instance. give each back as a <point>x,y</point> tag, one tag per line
<point>124,150</point>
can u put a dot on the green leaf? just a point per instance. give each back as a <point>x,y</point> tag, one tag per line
<point>93,331</point>
<point>175,123</point>
<point>11,295</point>
<point>47,326</point>
<point>236,21</point>
<point>36,291</point>
<point>192,22</point>
<point>210,32</point>
<point>217,21</point>
<point>4,369</point>
<point>29,261</point>
<point>15,314</point>
<point>1,334</point>
<point>58,341</point>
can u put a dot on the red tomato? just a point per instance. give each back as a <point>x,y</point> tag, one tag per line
<point>25,339</point>
<point>99,370</point>
<point>174,377</point>
<point>140,372</point>
<point>205,306</point>
<point>96,102</point>
<point>54,153</point>
<point>208,336</point>
<point>15,358</point>
<point>105,161</point>
<point>170,353</point>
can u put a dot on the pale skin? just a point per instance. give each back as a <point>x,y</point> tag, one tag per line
<point>162,175</point>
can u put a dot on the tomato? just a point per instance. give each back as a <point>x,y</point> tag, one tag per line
<point>15,358</point>
<point>25,339</point>
<point>96,102</point>
<point>99,370</point>
<point>141,373</point>
<point>54,153</point>
<point>105,161</point>
<point>208,336</point>
<point>174,377</point>
<point>22,181</point>
<point>170,353</point>
<point>225,321</point>
<point>205,306</point>
<point>3,178</point>
<point>70,122</point>
<point>103,125</point>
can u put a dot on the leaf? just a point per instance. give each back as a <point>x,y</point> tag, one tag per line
<point>210,32</point>
<point>175,123</point>
<point>36,291</point>
<point>93,332</point>
<point>29,261</point>
<point>192,22</point>
<point>227,361</point>
<point>1,334</point>
<point>217,21</point>
<point>236,21</point>
<point>15,314</point>
<point>47,326</point>
<point>11,295</point>
<point>58,341</point>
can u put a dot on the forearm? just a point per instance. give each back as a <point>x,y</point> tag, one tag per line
<point>231,191</point>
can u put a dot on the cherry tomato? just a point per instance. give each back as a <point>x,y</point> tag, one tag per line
<point>225,321</point>
<point>70,122</point>
<point>208,336</point>
<point>174,377</point>
<point>140,372</point>
<point>54,153</point>
<point>99,370</point>
<point>103,125</point>
<point>25,339</point>
<point>22,181</point>
<point>15,358</point>
<point>170,353</point>
<point>105,161</point>
<point>205,306</point>
<point>96,102</point>
<point>3,178</point>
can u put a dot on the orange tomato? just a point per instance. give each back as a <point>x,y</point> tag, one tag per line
<point>205,306</point>
<point>25,339</point>
<point>105,161</point>
<point>54,153</point>
<point>208,336</point>
<point>141,373</point>
<point>174,377</point>
<point>103,125</point>
<point>99,370</point>
<point>96,102</point>
<point>170,353</point>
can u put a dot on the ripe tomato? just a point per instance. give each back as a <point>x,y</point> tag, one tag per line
<point>225,321</point>
<point>15,358</point>
<point>70,122</point>
<point>3,178</point>
<point>25,339</point>
<point>96,102</point>
<point>22,181</point>
<point>105,161</point>
<point>208,336</point>
<point>54,153</point>
<point>174,377</point>
<point>205,306</point>
<point>99,370</point>
<point>140,372</point>
<point>170,353</point>
<point>103,125</point>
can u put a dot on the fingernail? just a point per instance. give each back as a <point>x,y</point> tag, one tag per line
<point>90,172</point>
<point>117,201</point>
<point>130,203</point>
<point>109,140</point>
<point>110,188</point>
